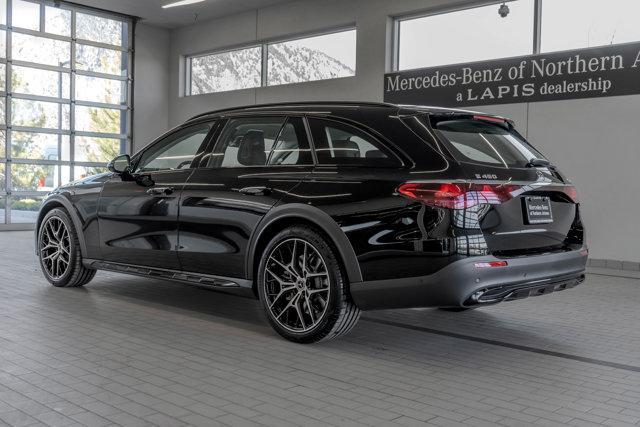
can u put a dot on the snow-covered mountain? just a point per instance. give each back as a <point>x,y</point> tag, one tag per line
<point>240,69</point>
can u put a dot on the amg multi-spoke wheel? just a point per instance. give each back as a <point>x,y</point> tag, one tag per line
<point>303,289</point>
<point>55,248</point>
<point>296,285</point>
<point>59,251</point>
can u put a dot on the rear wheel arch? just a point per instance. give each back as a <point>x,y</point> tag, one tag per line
<point>306,300</point>
<point>286,216</point>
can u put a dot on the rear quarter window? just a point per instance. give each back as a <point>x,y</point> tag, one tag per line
<point>338,143</point>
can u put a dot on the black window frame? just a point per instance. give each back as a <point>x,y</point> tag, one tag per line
<point>213,128</point>
<point>381,144</point>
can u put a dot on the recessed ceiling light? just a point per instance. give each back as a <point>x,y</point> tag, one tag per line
<point>181,3</point>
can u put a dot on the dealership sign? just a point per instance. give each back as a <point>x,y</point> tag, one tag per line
<point>585,73</point>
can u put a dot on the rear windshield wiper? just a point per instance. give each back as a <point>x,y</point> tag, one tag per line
<point>539,163</point>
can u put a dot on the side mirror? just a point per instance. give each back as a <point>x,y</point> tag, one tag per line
<point>120,164</point>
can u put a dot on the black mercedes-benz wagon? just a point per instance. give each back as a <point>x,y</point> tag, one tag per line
<point>322,210</point>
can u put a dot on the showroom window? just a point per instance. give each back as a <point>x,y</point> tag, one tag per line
<point>318,57</point>
<point>467,35</point>
<point>592,23</point>
<point>323,57</point>
<point>232,70</point>
<point>65,83</point>
<point>531,26</point>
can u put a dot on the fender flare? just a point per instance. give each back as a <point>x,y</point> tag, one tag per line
<point>59,199</point>
<point>320,219</point>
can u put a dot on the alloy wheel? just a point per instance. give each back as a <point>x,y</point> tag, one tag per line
<point>55,248</point>
<point>297,285</point>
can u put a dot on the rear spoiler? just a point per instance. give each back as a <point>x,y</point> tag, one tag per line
<point>413,110</point>
<point>508,123</point>
<point>499,120</point>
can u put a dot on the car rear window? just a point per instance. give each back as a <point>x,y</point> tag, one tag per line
<point>482,141</point>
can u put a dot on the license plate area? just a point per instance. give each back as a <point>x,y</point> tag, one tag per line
<point>537,210</point>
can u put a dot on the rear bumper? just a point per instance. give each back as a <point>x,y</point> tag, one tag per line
<point>461,284</point>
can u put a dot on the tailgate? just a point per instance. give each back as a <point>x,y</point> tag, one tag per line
<point>513,228</point>
<point>524,204</point>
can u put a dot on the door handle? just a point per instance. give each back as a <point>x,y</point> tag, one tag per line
<point>160,191</point>
<point>255,191</point>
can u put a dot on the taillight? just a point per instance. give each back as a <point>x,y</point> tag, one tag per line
<point>568,190</point>
<point>458,195</point>
<point>572,193</point>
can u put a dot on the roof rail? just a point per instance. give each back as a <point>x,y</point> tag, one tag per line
<point>290,104</point>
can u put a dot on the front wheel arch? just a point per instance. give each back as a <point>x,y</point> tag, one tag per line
<point>58,241</point>
<point>61,203</point>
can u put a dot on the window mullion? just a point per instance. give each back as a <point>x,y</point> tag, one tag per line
<point>102,45</point>
<point>187,82</point>
<point>7,115</point>
<point>40,34</point>
<point>265,65</point>
<point>395,45</point>
<point>42,17</point>
<point>72,97</point>
<point>537,26</point>
<point>127,147</point>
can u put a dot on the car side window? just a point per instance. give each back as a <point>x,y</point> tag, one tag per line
<point>338,143</point>
<point>261,141</point>
<point>176,151</point>
<point>291,147</point>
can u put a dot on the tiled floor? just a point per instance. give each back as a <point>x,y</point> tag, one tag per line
<point>133,351</point>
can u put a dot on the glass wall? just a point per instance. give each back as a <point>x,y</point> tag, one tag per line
<point>65,83</point>
<point>305,59</point>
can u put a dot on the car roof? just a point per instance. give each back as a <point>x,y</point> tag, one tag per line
<point>328,107</point>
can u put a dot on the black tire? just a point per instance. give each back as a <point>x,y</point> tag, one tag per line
<point>339,314</point>
<point>456,309</point>
<point>76,274</point>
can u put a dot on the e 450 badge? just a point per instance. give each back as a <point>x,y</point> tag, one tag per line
<point>486,176</point>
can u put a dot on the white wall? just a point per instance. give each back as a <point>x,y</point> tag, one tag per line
<point>593,141</point>
<point>596,142</point>
<point>151,84</point>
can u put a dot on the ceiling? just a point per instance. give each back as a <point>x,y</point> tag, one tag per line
<point>151,11</point>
